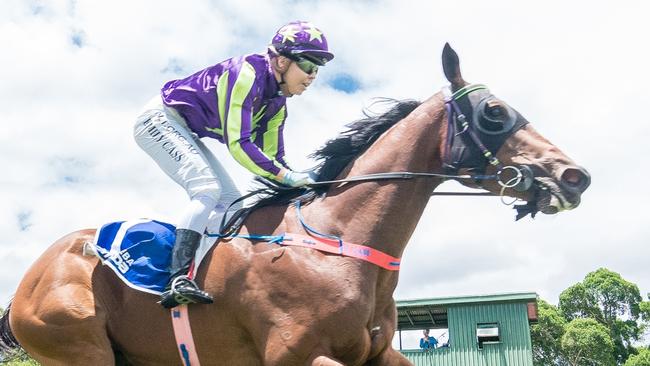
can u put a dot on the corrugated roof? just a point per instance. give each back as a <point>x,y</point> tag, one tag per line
<point>455,300</point>
<point>432,312</point>
<point>421,317</point>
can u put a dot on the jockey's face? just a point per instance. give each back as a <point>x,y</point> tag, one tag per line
<point>296,81</point>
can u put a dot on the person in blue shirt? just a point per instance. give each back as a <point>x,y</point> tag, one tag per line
<point>428,342</point>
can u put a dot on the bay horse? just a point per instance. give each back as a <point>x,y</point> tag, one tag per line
<point>281,305</point>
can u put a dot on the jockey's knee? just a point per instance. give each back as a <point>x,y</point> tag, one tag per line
<point>211,191</point>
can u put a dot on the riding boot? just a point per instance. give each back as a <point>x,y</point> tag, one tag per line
<point>180,289</point>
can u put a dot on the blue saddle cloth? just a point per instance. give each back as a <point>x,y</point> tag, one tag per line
<point>138,251</point>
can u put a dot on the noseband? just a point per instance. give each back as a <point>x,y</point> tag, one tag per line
<point>478,125</point>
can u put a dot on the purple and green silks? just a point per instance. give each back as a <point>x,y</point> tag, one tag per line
<point>236,102</point>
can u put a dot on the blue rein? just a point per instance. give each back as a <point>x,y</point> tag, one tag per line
<point>273,239</point>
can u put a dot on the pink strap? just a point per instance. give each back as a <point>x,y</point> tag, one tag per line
<point>363,252</point>
<point>183,334</point>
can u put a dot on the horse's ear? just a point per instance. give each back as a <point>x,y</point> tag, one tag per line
<point>451,66</point>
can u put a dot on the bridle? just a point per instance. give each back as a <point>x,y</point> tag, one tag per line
<point>477,133</point>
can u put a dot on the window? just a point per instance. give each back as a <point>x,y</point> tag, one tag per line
<point>487,333</point>
<point>410,339</point>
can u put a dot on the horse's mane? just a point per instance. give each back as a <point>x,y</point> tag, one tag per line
<point>333,157</point>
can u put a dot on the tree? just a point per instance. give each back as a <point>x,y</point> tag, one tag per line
<point>578,302</point>
<point>644,310</point>
<point>547,334</point>
<point>586,342</point>
<point>640,359</point>
<point>612,301</point>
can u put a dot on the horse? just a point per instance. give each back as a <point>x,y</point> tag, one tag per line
<point>287,305</point>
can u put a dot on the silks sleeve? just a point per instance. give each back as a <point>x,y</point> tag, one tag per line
<point>273,138</point>
<point>238,127</point>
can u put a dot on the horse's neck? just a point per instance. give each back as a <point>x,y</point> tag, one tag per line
<point>384,214</point>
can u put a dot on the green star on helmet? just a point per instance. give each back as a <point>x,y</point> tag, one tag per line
<point>301,39</point>
<point>288,33</point>
<point>314,33</point>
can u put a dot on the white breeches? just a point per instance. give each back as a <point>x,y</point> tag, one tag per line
<point>163,134</point>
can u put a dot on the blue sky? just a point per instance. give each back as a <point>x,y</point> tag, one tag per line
<point>75,74</point>
<point>345,82</point>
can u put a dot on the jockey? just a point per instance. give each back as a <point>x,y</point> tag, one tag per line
<point>240,102</point>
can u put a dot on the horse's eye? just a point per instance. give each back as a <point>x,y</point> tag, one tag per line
<point>495,111</point>
<point>494,117</point>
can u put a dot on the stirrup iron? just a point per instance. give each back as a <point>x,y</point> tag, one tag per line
<point>178,297</point>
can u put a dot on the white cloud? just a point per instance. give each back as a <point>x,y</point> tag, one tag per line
<point>577,71</point>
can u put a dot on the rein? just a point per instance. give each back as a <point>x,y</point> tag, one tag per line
<point>410,175</point>
<point>520,178</point>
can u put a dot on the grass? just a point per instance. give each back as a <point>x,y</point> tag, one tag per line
<point>22,360</point>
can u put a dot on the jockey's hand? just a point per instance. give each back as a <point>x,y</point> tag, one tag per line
<point>296,179</point>
<point>312,173</point>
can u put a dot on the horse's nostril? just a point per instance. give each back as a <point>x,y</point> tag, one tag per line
<point>576,179</point>
<point>571,177</point>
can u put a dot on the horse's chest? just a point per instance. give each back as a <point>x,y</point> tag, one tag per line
<point>316,307</point>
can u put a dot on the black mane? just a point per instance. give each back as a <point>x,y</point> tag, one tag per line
<point>333,157</point>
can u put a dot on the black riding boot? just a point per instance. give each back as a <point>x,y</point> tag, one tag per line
<point>180,289</point>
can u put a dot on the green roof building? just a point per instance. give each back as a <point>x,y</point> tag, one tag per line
<point>488,330</point>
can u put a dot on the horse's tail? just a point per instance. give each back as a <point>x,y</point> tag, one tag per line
<point>9,346</point>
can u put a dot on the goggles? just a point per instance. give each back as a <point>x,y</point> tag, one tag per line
<point>307,66</point>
